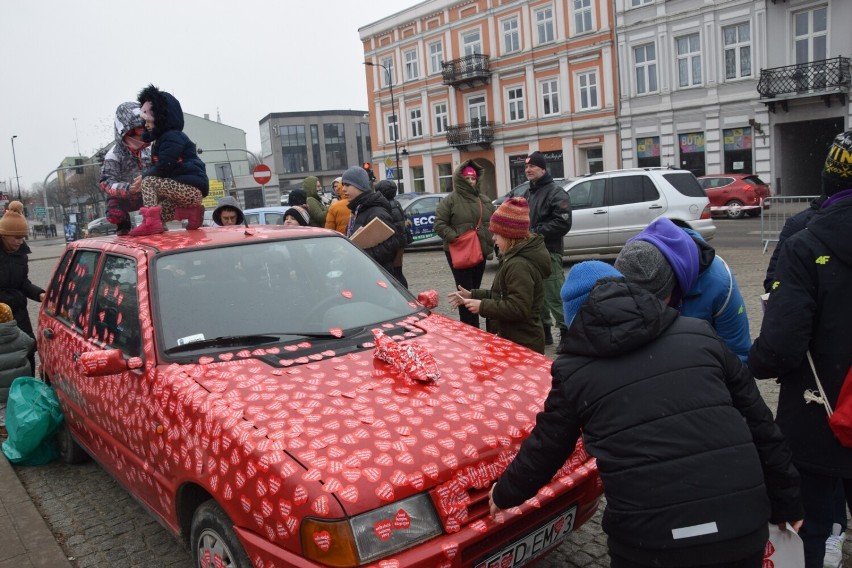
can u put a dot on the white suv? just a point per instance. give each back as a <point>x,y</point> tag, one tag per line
<point>610,207</point>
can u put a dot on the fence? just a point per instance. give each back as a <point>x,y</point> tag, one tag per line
<point>780,209</point>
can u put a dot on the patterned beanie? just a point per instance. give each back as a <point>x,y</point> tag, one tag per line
<point>13,223</point>
<point>6,313</point>
<point>512,219</point>
<point>837,171</point>
<point>580,281</point>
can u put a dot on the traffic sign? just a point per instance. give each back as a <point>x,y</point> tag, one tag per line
<point>40,211</point>
<point>262,174</point>
<point>388,161</point>
<point>389,173</point>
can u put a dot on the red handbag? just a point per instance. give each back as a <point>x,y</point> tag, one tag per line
<point>465,251</point>
<point>839,419</point>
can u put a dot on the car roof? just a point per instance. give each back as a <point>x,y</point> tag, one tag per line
<point>204,237</point>
<point>272,209</point>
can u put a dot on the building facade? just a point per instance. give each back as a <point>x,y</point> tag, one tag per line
<point>492,80</point>
<point>314,143</point>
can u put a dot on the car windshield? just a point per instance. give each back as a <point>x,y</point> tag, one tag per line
<point>284,290</point>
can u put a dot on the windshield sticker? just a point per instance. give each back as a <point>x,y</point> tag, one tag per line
<point>190,339</point>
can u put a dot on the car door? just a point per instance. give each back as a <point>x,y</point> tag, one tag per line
<point>589,217</point>
<point>421,216</point>
<point>634,201</point>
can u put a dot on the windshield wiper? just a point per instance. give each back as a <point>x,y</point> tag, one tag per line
<point>228,341</point>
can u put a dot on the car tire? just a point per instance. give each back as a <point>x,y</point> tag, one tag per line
<point>213,540</point>
<point>69,450</point>
<point>735,209</point>
<point>754,212</point>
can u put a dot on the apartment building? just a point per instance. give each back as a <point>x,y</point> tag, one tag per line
<point>491,80</point>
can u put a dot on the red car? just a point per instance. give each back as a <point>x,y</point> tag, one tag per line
<point>236,382</point>
<point>736,195</point>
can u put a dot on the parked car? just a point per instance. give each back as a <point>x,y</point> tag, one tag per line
<point>278,437</point>
<point>520,189</point>
<point>419,209</point>
<point>265,215</point>
<point>100,226</point>
<point>736,195</point>
<point>610,207</point>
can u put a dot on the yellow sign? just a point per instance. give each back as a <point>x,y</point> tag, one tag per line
<point>217,190</point>
<point>388,161</point>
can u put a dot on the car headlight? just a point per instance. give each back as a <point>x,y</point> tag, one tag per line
<point>375,534</point>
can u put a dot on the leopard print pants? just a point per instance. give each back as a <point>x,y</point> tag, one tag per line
<point>168,194</point>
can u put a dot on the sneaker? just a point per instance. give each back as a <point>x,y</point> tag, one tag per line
<point>834,548</point>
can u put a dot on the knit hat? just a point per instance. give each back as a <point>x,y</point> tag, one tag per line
<point>580,280</point>
<point>642,263</point>
<point>469,171</point>
<point>6,313</point>
<point>536,159</point>
<point>227,202</point>
<point>297,197</point>
<point>13,223</point>
<point>512,219</point>
<point>837,171</point>
<point>357,177</point>
<point>299,214</point>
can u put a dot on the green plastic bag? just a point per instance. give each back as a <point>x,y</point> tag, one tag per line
<point>32,418</point>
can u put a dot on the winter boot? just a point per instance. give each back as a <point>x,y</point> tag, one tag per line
<point>151,223</point>
<point>548,336</point>
<point>194,216</point>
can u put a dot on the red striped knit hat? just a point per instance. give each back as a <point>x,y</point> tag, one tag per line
<point>512,219</point>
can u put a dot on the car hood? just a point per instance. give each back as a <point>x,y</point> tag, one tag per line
<point>368,436</point>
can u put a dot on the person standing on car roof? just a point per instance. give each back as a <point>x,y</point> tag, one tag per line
<point>316,208</point>
<point>550,217</point>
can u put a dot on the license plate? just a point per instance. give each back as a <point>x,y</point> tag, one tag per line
<point>533,544</point>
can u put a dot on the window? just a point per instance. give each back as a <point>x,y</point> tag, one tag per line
<point>412,68</point>
<point>415,119</point>
<point>648,152</point>
<point>737,40</point>
<point>471,42</point>
<point>635,3</point>
<point>116,308</point>
<point>511,35</point>
<point>439,111</point>
<point>594,160</point>
<point>633,189</point>
<point>445,177</point>
<point>419,179</point>
<point>645,61</point>
<point>515,97</point>
<point>393,127</point>
<point>588,194</point>
<point>436,57</point>
<point>688,60</point>
<point>549,97</point>
<point>73,301</point>
<point>582,16</point>
<point>335,146</point>
<point>360,129</point>
<point>387,71</point>
<point>587,83</point>
<point>810,34</point>
<point>294,152</point>
<point>55,285</point>
<point>544,24</point>
<point>315,147</point>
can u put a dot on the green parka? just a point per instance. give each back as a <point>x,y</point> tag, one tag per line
<point>316,209</point>
<point>459,211</point>
<point>512,308</point>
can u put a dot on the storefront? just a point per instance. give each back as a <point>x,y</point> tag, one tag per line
<point>692,152</point>
<point>648,152</point>
<point>738,150</point>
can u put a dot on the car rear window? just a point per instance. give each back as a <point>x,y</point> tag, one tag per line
<point>754,180</point>
<point>685,183</point>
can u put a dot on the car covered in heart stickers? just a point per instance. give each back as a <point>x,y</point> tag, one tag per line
<point>275,398</point>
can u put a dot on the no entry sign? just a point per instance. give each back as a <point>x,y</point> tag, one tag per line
<point>262,174</point>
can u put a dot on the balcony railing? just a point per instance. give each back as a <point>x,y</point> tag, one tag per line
<point>823,77</point>
<point>469,70</point>
<point>477,132</point>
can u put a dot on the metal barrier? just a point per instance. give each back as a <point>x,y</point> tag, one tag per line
<point>780,208</point>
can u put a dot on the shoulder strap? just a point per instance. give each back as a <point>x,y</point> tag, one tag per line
<point>478,223</point>
<point>730,288</point>
<point>810,396</point>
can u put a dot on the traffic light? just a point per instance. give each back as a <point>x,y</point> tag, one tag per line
<point>78,162</point>
<point>369,168</point>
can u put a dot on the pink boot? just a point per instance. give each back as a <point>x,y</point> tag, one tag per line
<point>194,216</point>
<point>151,223</point>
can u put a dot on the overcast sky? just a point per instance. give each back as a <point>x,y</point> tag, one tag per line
<point>244,59</point>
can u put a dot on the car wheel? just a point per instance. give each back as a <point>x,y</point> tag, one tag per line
<point>213,540</point>
<point>69,450</point>
<point>734,209</point>
<point>754,212</point>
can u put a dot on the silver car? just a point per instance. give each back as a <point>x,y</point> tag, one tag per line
<point>419,209</point>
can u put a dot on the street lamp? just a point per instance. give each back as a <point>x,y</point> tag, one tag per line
<point>393,110</point>
<point>15,159</point>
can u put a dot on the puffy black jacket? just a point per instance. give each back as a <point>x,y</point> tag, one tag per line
<point>692,463</point>
<point>809,309</point>
<point>367,206</point>
<point>791,226</point>
<point>550,212</point>
<point>15,285</point>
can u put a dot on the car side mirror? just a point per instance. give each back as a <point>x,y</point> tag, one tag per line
<point>429,299</point>
<point>106,362</point>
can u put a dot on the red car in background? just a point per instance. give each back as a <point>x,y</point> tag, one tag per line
<point>232,380</point>
<point>736,195</point>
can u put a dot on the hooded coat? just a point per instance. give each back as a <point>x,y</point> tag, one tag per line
<point>365,208</point>
<point>512,307</point>
<point>338,214</point>
<point>173,154</point>
<point>316,208</point>
<point>15,285</point>
<point>228,202</point>
<point>15,346</point>
<point>460,211</point>
<point>692,464</point>
<point>808,310</point>
<point>121,164</point>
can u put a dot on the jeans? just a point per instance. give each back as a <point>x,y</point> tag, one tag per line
<point>552,294</point>
<point>820,495</point>
<point>467,278</point>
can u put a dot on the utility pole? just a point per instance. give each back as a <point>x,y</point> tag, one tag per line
<point>396,116</point>
<point>15,159</point>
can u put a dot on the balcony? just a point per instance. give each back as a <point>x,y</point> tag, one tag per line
<point>822,78</point>
<point>476,133</point>
<point>468,71</point>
